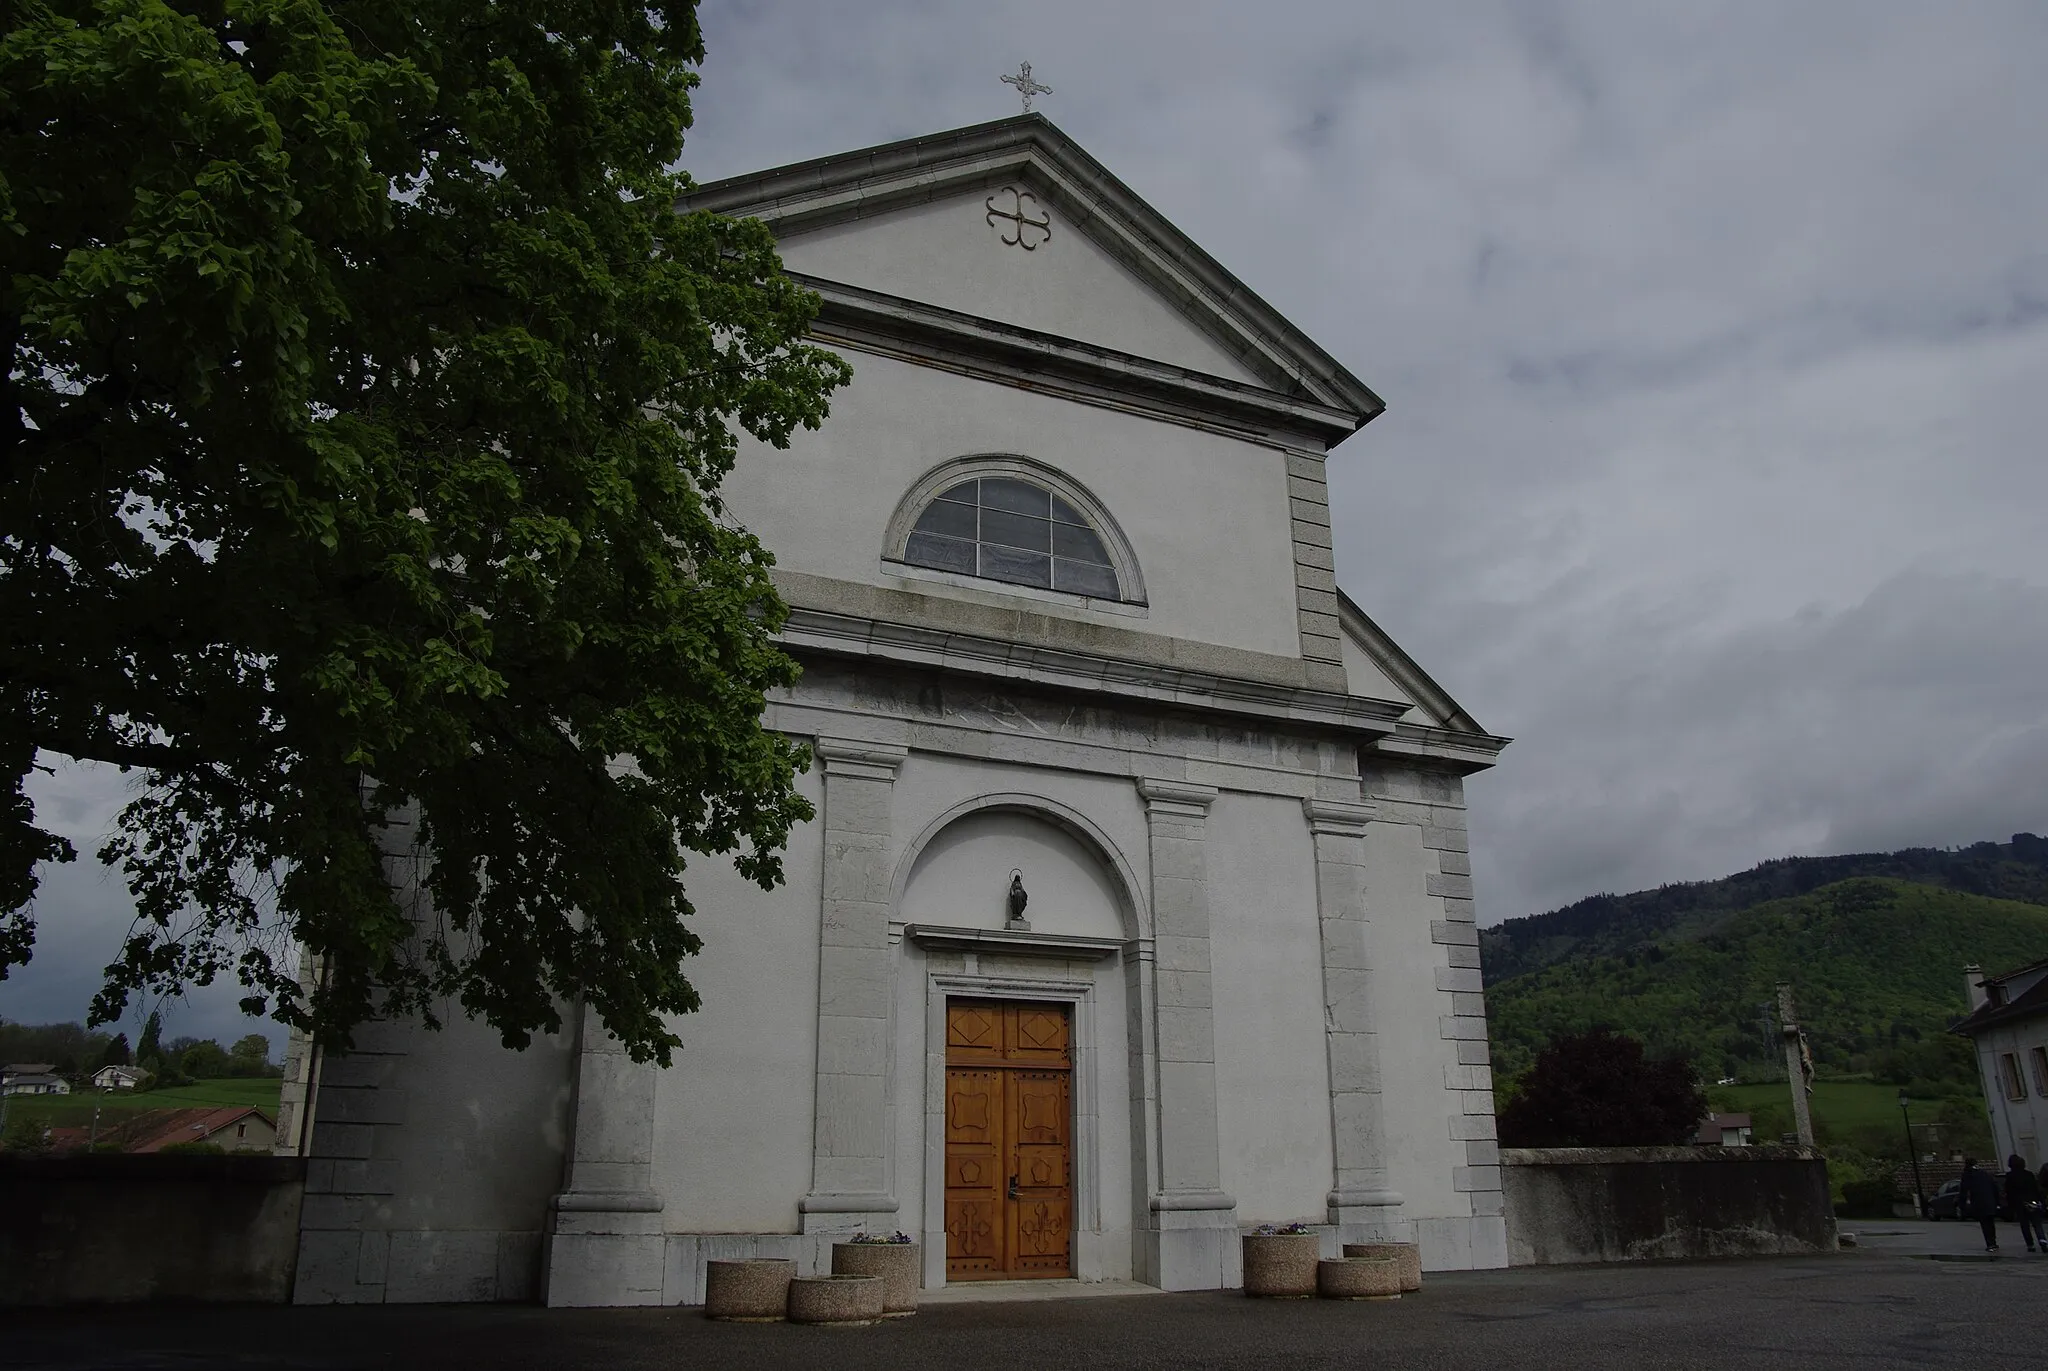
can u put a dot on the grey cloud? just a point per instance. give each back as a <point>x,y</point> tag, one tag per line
<point>1916,717</point>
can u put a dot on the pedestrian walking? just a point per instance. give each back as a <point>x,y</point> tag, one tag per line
<point>2023,1197</point>
<point>1979,1201</point>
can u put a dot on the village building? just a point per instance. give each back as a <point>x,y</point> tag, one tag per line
<point>32,1078</point>
<point>2008,1026</point>
<point>1138,908</point>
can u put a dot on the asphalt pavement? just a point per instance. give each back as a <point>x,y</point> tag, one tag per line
<point>1909,1295</point>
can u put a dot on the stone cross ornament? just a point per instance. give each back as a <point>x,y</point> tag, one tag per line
<point>1021,231</point>
<point>1026,87</point>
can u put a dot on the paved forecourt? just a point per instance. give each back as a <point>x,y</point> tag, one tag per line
<point>1871,1308</point>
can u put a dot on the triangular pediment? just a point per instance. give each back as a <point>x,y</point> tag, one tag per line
<point>1013,223</point>
<point>1376,666</point>
<point>1011,251</point>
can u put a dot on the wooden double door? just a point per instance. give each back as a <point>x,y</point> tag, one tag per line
<point>1009,1140</point>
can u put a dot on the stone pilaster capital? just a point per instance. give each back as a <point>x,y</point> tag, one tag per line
<point>1342,818</point>
<point>858,757</point>
<point>1183,798</point>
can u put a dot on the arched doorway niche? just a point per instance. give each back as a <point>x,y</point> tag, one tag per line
<point>1082,951</point>
<point>961,874</point>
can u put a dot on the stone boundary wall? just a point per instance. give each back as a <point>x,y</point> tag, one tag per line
<point>120,1229</point>
<point>1611,1204</point>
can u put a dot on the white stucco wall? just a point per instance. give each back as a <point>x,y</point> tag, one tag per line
<point>485,1129</point>
<point>1420,1152</point>
<point>2016,1125</point>
<point>1181,496</point>
<point>733,1121</point>
<point>1272,1063</point>
<point>948,253</point>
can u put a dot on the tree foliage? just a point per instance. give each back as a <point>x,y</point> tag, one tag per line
<point>367,410</point>
<point>1599,1089</point>
<point>1876,964</point>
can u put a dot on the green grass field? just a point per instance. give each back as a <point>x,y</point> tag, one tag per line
<point>260,1091</point>
<point>1841,1105</point>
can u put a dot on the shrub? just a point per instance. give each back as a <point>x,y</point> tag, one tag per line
<point>1597,1089</point>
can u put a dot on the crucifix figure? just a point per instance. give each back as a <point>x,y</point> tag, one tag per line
<point>1026,87</point>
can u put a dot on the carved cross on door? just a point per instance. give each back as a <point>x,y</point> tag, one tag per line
<point>1021,225</point>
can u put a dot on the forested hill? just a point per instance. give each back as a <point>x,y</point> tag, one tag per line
<point>1609,924</point>
<point>1876,965</point>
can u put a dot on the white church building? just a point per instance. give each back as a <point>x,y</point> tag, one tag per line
<point>1138,907</point>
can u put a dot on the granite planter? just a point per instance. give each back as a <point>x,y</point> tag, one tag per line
<point>899,1264</point>
<point>1359,1278</point>
<point>848,1300</point>
<point>1280,1265</point>
<point>1407,1257</point>
<point>753,1290</point>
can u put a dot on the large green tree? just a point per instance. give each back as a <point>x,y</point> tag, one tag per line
<point>367,406</point>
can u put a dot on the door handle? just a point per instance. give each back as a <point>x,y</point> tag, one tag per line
<point>1013,1187</point>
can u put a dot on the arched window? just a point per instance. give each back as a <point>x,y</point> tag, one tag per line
<point>1012,521</point>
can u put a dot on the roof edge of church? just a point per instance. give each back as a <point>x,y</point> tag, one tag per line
<point>1408,674</point>
<point>761,192</point>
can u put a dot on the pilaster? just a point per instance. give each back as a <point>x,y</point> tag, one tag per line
<point>604,1241</point>
<point>850,1180</point>
<point>1189,1237</point>
<point>1361,1203</point>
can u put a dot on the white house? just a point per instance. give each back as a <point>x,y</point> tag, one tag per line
<point>1138,908</point>
<point>118,1077</point>
<point>2008,1025</point>
<point>32,1078</point>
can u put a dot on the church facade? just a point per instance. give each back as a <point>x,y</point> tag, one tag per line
<point>1137,911</point>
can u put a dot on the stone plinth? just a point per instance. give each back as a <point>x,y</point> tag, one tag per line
<point>1407,1258</point>
<point>1359,1278</point>
<point>899,1264</point>
<point>753,1290</point>
<point>835,1299</point>
<point>1280,1265</point>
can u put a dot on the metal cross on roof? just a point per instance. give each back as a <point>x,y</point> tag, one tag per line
<point>1026,87</point>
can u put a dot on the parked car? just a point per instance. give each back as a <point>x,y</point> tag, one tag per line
<point>1947,1202</point>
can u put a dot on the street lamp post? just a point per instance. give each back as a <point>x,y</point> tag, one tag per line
<point>1919,1192</point>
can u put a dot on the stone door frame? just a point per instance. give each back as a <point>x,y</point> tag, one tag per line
<point>1057,986</point>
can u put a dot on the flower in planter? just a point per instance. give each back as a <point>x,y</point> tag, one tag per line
<point>898,1237</point>
<point>1281,1230</point>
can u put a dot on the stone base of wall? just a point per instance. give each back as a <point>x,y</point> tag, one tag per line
<point>1474,1244</point>
<point>124,1229</point>
<point>349,1266</point>
<point>1610,1204</point>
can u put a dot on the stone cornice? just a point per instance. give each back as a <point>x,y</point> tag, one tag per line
<point>849,635</point>
<point>988,349</point>
<point>1011,942</point>
<point>876,180</point>
<point>1443,749</point>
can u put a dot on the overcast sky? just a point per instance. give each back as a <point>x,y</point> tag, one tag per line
<point>1713,339</point>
